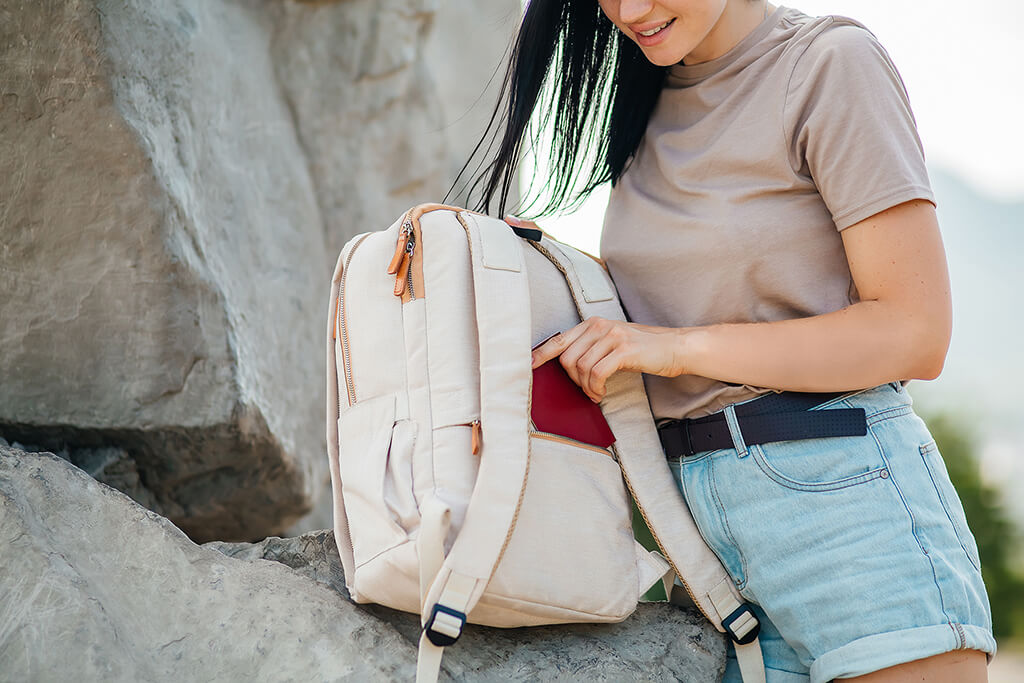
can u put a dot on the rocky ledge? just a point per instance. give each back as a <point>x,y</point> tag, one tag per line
<point>95,587</point>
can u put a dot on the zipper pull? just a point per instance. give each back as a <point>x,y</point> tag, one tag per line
<point>404,267</point>
<point>475,440</point>
<point>400,247</point>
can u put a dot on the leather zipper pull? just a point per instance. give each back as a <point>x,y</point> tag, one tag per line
<point>475,439</point>
<point>400,247</point>
<point>396,260</point>
<point>401,282</point>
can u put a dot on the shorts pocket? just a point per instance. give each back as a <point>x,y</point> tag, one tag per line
<point>950,500</point>
<point>365,449</point>
<point>824,464</point>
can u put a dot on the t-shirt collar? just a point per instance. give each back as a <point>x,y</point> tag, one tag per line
<point>683,74</point>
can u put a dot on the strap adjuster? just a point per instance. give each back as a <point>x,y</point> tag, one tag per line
<point>444,626</point>
<point>744,615</point>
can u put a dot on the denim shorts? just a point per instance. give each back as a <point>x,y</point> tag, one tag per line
<point>854,550</point>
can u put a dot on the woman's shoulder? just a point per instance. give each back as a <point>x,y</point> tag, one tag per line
<point>831,39</point>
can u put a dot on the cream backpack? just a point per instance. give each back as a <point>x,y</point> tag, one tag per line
<point>447,502</point>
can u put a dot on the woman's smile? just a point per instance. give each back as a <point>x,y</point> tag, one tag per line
<point>655,35</point>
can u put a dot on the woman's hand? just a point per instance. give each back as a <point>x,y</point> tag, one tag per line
<point>598,347</point>
<point>520,223</point>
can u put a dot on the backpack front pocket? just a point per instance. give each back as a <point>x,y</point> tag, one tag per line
<point>368,442</point>
<point>572,547</point>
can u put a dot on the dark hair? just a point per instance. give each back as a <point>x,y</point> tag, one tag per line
<point>602,92</point>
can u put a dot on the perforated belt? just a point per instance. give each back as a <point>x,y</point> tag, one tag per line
<point>772,417</point>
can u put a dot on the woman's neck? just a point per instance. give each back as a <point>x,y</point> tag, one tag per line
<point>738,19</point>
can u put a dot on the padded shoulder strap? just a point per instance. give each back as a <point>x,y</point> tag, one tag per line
<point>502,305</point>
<point>628,413</point>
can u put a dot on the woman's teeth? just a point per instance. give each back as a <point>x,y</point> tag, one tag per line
<point>656,29</point>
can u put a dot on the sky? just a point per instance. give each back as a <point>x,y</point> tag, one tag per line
<point>961,64</point>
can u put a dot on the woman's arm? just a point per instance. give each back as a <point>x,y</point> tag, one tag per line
<point>900,329</point>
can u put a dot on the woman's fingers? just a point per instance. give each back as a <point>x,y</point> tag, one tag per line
<point>595,365</point>
<point>579,349</point>
<point>554,346</point>
<point>595,349</point>
<point>520,223</point>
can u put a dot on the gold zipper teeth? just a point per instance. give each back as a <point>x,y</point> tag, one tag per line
<point>625,477</point>
<point>409,232</point>
<point>345,353</point>
<point>408,274</point>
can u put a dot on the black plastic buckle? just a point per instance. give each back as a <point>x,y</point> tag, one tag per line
<point>528,233</point>
<point>443,639</point>
<point>736,614</point>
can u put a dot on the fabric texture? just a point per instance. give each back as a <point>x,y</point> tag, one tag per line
<point>855,549</point>
<point>751,165</point>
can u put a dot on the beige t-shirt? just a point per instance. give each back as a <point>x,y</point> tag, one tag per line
<point>750,166</point>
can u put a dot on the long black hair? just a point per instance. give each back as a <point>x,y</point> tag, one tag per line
<point>602,91</point>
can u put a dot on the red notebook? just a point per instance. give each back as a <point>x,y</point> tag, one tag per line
<point>560,407</point>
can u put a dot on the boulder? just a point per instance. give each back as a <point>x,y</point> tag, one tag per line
<point>95,587</point>
<point>176,180</point>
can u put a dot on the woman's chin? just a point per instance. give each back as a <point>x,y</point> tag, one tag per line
<point>664,57</point>
<point>667,53</point>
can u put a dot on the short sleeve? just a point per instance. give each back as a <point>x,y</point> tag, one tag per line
<point>849,125</point>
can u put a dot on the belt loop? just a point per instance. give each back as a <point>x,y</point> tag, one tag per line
<point>734,431</point>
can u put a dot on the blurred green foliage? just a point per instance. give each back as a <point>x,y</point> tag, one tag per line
<point>999,541</point>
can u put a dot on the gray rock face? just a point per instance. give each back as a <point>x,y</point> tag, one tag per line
<point>176,179</point>
<point>94,587</point>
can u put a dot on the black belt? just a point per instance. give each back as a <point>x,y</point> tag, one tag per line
<point>772,417</point>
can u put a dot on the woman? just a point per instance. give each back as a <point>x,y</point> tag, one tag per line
<point>772,232</point>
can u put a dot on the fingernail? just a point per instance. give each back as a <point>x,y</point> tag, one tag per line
<point>513,219</point>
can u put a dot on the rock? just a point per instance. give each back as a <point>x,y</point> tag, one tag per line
<point>468,51</point>
<point>176,180</point>
<point>94,587</point>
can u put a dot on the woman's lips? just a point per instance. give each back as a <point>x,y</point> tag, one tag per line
<point>647,41</point>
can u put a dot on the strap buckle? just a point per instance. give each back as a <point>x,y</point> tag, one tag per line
<point>444,626</point>
<point>747,628</point>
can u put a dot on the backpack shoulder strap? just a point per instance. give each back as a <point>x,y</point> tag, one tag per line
<point>649,479</point>
<point>502,305</point>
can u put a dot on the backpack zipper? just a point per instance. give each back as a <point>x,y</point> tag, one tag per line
<point>401,262</point>
<point>569,441</point>
<point>629,485</point>
<point>475,435</point>
<point>343,331</point>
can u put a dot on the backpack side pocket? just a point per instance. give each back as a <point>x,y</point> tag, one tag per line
<point>366,432</point>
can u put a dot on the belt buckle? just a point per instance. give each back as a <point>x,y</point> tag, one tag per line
<point>669,425</point>
<point>685,426</point>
